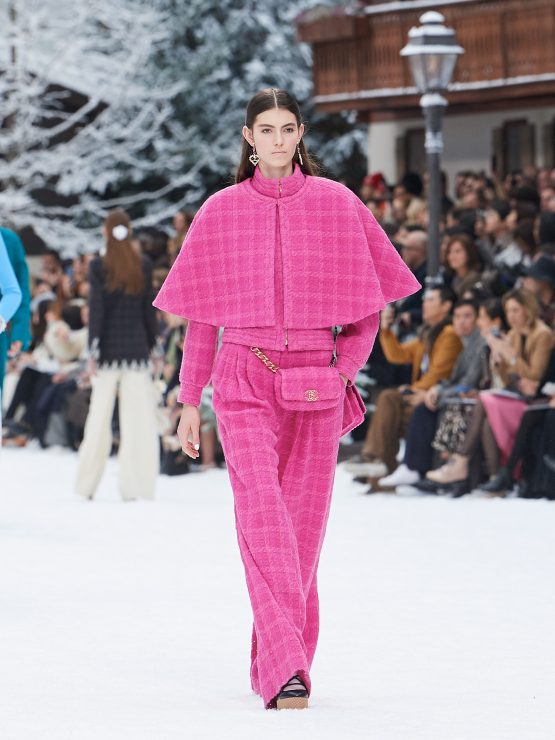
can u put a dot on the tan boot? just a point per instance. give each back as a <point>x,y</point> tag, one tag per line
<point>454,470</point>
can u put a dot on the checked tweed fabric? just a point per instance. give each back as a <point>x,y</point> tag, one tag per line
<point>272,259</point>
<point>281,465</point>
<point>338,264</point>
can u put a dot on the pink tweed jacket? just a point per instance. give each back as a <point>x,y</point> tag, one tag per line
<point>338,264</point>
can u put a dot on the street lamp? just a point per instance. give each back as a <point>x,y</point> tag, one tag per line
<point>432,53</point>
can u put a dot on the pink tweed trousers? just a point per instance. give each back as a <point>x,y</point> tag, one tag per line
<point>281,466</point>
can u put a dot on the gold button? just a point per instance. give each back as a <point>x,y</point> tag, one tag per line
<point>311,395</point>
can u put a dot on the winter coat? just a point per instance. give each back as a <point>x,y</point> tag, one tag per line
<point>443,355</point>
<point>69,348</point>
<point>470,367</point>
<point>338,264</point>
<point>19,329</point>
<point>122,328</point>
<point>532,354</point>
<point>10,292</point>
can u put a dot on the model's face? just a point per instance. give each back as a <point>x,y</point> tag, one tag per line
<point>414,249</point>
<point>275,135</point>
<point>464,321</point>
<point>493,221</point>
<point>485,323</point>
<point>456,257</point>
<point>433,308</point>
<point>516,315</point>
<point>179,221</point>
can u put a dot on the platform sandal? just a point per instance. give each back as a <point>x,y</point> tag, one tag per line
<point>293,695</point>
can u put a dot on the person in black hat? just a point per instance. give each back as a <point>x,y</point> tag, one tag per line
<point>540,280</point>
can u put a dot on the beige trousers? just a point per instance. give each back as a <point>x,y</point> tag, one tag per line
<point>139,454</point>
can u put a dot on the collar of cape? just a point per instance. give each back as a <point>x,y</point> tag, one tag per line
<point>258,184</point>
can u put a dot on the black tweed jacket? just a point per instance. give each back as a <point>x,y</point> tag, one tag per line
<point>122,328</point>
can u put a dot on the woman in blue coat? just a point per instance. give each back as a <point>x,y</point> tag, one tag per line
<point>18,335</point>
<point>10,292</point>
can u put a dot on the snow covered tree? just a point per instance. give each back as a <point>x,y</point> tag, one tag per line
<point>87,116</point>
<point>139,104</point>
<point>229,50</point>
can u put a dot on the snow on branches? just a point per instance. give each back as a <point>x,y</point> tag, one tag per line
<point>140,104</point>
<point>87,114</point>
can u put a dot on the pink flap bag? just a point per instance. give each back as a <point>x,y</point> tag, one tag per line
<point>309,388</point>
<point>314,388</point>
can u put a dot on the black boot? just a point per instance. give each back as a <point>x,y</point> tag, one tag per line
<point>360,479</point>
<point>503,481</point>
<point>293,695</point>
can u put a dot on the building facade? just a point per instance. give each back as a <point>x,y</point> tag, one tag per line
<point>501,114</point>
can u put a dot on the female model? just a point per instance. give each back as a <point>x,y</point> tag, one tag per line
<point>18,336</point>
<point>278,259</point>
<point>122,332</point>
<point>10,296</point>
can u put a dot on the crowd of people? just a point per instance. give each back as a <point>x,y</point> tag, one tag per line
<point>461,377</point>
<point>463,372</point>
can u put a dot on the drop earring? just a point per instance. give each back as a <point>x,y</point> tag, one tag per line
<point>254,159</point>
<point>299,153</point>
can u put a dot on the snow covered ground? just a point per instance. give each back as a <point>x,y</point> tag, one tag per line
<point>132,621</point>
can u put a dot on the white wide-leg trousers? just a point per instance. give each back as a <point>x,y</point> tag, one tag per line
<point>139,448</point>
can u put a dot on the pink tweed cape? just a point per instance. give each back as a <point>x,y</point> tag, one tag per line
<point>338,264</point>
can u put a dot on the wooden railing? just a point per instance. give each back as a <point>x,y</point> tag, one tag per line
<point>502,39</point>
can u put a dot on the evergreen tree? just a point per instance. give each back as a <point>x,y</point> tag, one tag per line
<point>232,49</point>
<point>87,116</point>
<point>140,104</point>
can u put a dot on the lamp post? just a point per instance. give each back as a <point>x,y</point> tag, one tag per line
<point>432,52</point>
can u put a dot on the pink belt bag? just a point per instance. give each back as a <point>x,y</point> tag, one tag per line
<point>314,388</point>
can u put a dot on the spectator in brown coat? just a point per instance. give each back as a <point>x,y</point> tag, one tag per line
<point>432,357</point>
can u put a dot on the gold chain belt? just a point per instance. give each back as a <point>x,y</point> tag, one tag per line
<point>272,365</point>
<point>266,360</point>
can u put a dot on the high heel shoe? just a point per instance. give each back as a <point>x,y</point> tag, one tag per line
<point>293,695</point>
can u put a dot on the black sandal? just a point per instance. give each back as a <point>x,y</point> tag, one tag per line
<point>293,695</point>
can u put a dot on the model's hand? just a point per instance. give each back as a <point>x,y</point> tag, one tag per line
<point>344,378</point>
<point>501,348</point>
<point>528,387</point>
<point>92,367</point>
<point>188,430</point>
<point>431,398</point>
<point>387,317</point>
<point>15,349</point>
<point>416,398</point>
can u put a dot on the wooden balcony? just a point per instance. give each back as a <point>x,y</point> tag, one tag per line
<point>509,58</point>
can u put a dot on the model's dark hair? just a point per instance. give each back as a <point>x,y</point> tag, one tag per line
<point>272,97</point>
<point>123,264</point>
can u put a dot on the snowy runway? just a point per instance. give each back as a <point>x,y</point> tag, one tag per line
<point>131,621</point>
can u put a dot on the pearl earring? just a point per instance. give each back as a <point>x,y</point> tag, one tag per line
<point>299,153</point>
